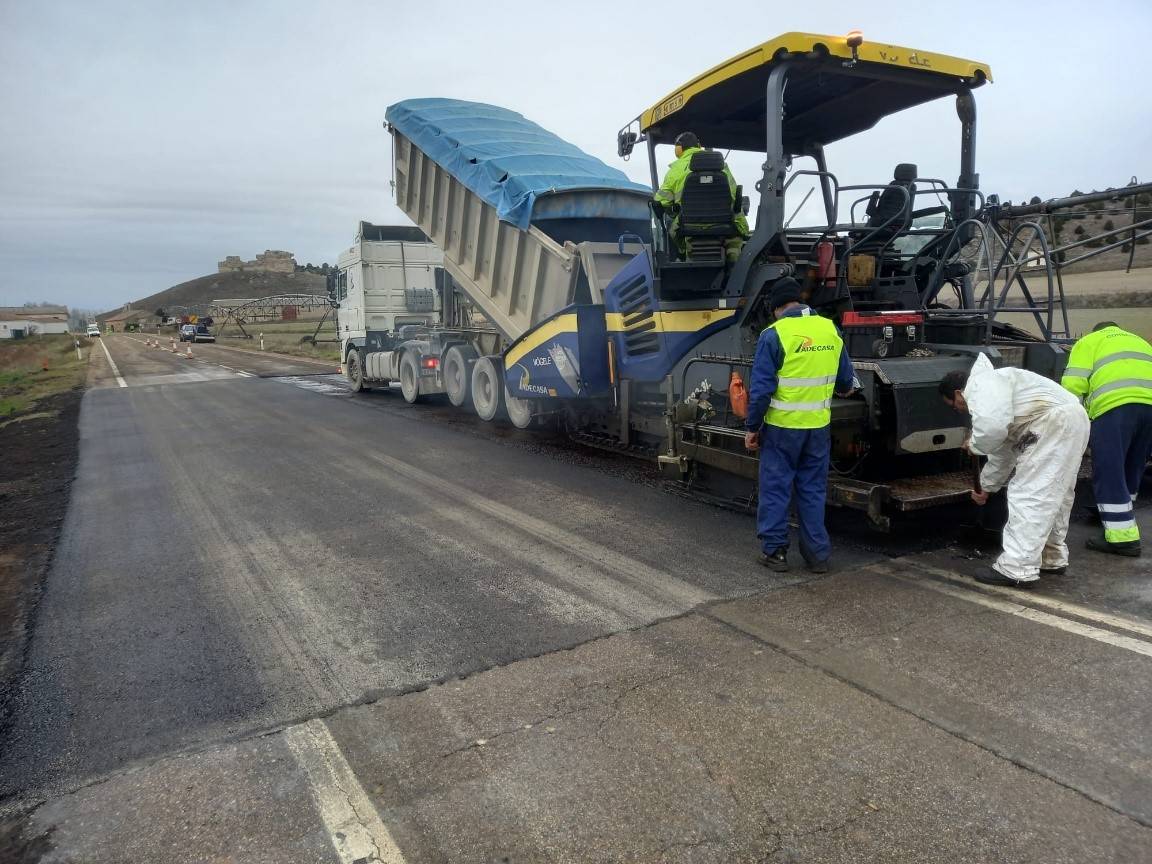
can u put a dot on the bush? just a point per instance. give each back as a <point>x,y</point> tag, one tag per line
<point>1079,230</point>
<point>1108,225</point>
<point>1141,241</point>
<point>1095,243</point>
<point>1127,247</point>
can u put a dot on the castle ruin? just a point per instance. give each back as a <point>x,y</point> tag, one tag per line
<point>270,261</point>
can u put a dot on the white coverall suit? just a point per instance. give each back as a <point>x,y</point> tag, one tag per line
<point>1023,421</point>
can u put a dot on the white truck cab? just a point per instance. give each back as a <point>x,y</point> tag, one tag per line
<point>388,288</point>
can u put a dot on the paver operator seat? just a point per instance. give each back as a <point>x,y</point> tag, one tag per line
<point>890,204</point>
<point>706,217</point>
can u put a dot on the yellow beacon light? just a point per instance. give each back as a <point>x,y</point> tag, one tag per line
<point>855,38</point>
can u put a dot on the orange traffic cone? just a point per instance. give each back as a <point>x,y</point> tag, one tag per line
<point>189,354</point>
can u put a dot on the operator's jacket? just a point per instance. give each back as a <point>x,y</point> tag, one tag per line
<point>672,189</point>
<point>1024,422</point>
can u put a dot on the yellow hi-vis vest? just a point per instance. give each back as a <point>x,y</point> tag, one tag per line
<point>1108,368</point>
<point>803,397</point>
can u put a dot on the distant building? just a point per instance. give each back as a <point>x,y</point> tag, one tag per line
<point>16,322</point>
<point>270,261</point>
<point>129,319</point>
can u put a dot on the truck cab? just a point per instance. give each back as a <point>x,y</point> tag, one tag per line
<point>388,292</point>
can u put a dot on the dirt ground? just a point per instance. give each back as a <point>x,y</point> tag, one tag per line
<point>41,383</point>
<point>35,474</point>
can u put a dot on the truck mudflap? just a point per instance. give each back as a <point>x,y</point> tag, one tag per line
<point>564,357</point>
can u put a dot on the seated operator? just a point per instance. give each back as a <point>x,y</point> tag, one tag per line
<point>671,190</point>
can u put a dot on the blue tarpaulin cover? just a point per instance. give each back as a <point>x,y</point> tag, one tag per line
<point>506,159</point>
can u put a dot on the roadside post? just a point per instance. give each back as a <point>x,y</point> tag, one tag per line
<point>261,341</point>
<point>78,356</point>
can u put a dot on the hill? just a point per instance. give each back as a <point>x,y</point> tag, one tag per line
<point>1103,222</point>
<point>224,286</point>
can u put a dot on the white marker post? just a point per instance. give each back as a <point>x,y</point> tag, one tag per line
<point>261,341</point>
<point>78,357</point>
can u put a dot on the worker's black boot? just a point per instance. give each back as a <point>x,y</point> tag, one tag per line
<point>777,561</point>
<point>1131,549</point>
<point>992,576</point>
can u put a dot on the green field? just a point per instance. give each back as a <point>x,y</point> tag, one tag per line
<point>36,368</point>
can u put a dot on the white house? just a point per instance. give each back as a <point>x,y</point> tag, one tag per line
<point>21,321</point>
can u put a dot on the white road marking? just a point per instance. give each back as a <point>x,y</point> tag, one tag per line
<point>112,363</point>
<point>1117,621</point>
<point>1117,640</point>
<point>353,825</point>
<point>243,373</point>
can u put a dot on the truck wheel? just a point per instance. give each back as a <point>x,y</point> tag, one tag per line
<point>487,388</point>
<point>355,372</point>
<point>410,378</point>
<point>520,411</point>
<point>458,362</point>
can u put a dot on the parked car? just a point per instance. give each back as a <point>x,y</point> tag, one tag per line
<point>93,330</point>
<point>196,333</point>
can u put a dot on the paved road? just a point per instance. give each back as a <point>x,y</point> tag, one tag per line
<point>286,623</point>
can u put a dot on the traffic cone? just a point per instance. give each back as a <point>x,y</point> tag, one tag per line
<point>189,354</point>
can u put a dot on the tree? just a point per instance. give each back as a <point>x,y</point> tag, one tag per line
<point>161,314</point>
<point>1035,199</point>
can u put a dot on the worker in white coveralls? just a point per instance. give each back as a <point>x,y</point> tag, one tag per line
<point>1023,421</point>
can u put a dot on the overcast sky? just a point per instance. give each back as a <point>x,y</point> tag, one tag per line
<point>143,142</point>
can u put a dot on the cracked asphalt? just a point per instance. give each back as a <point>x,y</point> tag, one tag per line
<point>288,624</point>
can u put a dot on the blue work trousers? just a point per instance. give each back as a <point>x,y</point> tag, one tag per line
<point>1121,441</point>
<point>794,460</point>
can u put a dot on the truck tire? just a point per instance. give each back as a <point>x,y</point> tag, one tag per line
<point>520,411</point>
<point>410,378</point>
<point>354,371</point>
<point>487,387</point>
<point>457,369</point>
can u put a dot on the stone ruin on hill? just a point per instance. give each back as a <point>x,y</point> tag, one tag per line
<point>270,261</point>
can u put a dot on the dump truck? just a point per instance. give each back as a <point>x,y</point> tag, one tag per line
<point>572,296</point>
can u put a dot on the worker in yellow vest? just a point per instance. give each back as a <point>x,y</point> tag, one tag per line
<point>1111,370</point>
<point>800,361</point>
<point>671,191</point>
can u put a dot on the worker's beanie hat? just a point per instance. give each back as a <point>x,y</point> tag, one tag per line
<point>686,140</point>
<point>787,290</point>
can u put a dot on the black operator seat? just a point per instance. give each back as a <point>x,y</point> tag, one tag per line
<point>708,209</point>
<point>892,203</point>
